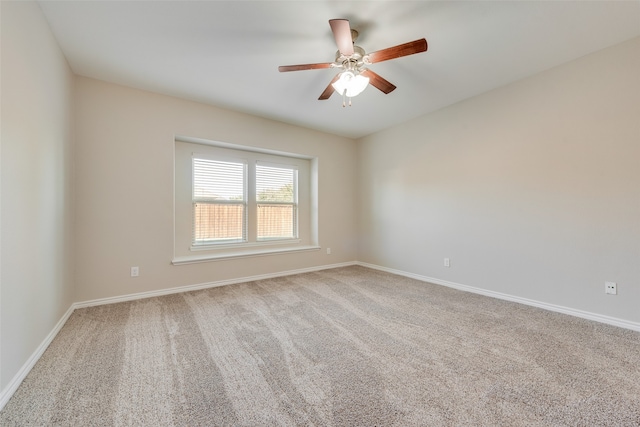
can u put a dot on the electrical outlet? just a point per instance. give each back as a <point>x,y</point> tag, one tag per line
<point>611,288</point>
<point>328,251</point>
<point>447,263</point>
<point>135,271</point>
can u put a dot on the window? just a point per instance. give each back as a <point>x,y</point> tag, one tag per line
<point>219,202</point>
<point>235,201</point>
<point>276,198</point>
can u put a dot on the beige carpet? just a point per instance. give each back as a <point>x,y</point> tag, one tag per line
<point>343,347</point>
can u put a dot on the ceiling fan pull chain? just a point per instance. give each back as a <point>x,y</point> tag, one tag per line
<point>349,102</point>
<point>344,96</point>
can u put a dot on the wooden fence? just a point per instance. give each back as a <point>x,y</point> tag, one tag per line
<point>225,222</point>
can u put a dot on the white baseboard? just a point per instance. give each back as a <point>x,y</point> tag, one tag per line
<point>188,288</point>
<point>635,326</point>
<point>13,385</point>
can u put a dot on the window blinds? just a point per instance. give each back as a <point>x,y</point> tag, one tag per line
<point>216,180</point>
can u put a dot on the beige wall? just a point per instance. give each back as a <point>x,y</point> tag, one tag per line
<point>36,281</point>
<point>532,190</point>
<point>124,172</point>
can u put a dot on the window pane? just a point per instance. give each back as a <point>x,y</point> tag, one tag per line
<point>275,184</point>
<point>276,196</point>
<point>277,221</point>
<point>218,196</point>
<point>218,223</point>
<point>216,180</point>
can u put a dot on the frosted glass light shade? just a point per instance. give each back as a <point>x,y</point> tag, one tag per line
<point>353,84</point>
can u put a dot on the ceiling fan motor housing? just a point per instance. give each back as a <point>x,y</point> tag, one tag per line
<point>354,61</point>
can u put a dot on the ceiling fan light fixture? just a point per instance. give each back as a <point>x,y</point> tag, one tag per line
<point>350,84</point>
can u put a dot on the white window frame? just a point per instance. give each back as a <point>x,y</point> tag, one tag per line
<point>185,251</point>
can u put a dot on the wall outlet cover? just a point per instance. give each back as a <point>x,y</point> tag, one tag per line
<point>611,288</point>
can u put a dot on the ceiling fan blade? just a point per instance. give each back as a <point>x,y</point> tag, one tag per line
<point>342,33</point>
<point>378,82</point>
<point>284,68</point>
<point>401,50</point>
<point>329,90</point>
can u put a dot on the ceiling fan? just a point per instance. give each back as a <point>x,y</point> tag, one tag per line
<point>353,61</point>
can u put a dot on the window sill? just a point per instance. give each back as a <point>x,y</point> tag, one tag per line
<point>240,254</point>
<point>242,245</point>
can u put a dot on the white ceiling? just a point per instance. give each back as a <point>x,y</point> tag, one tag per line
<point>227,53</point>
